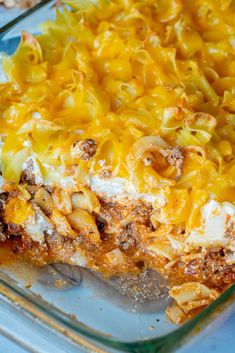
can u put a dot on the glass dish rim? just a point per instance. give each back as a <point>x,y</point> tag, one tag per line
<point>168,340</point>
<point>10,25</point>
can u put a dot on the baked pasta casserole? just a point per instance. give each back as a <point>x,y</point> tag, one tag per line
<point>118,143</point>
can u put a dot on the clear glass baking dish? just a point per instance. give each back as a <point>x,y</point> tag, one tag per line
<point>90,315</point>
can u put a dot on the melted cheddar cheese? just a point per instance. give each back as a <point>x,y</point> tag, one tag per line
<point>139,78</point>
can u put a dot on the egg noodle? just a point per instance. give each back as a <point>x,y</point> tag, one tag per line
<point>151,82</point>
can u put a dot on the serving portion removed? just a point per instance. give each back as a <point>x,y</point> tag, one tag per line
<point>118,141</point>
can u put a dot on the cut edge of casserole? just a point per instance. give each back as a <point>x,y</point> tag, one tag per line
<point>117,144</point>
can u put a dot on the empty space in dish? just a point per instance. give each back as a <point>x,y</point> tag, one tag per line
<point>98,303</point>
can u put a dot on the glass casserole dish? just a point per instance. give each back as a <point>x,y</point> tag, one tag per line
<point>68,313</point>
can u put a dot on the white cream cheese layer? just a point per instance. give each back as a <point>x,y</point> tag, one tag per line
<point>117,187</point>
<point>217,226</point>
<point>112,187</point>
<point>217,219</point>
